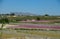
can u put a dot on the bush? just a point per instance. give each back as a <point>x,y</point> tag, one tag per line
<point>4,20</point>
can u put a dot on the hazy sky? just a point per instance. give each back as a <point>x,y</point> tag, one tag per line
<point>51,7</point>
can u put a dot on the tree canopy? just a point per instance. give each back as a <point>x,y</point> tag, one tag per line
<point>4,20</point>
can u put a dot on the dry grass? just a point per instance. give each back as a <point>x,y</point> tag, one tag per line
<point>32,33</point>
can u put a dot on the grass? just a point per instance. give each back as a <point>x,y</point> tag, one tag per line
<point>11,36</point>
<point>39,22</point>
<point>23,33</point>
<point>43,33</point>
<point>33,32</point>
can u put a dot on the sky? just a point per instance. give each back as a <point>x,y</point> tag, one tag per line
<point>40,7</point>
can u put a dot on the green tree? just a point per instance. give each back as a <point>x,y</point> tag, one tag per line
<point>12,14</point>
<point>3,21</point>
<point>38,18</point>
<point>46,15</point>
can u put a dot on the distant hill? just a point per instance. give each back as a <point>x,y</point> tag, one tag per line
<point>24,14</point>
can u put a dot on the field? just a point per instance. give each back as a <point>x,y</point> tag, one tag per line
<point>27,34</point>
<point>29,19</point>
<point>31,31</point>
<point>37,26</point>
